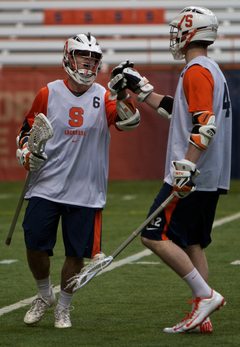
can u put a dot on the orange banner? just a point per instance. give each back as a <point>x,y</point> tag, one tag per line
<point>104,16</point>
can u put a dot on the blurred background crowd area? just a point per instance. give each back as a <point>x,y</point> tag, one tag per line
<point>32,36</point>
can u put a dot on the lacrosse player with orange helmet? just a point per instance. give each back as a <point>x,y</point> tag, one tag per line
<point>70,180</point>
<point>198,160</point>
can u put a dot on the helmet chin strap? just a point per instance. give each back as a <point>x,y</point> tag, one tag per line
<point>189,39</point>
<point>83,76</point>
<point>178,54</point>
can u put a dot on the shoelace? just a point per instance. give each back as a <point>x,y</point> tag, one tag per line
<point>38,304</point>
<point>64,314</point>
<point>181,323</point>
<point>190,302</point>
<point>184,319</point>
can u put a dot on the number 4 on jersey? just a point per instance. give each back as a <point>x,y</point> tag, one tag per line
<point>226,101</point>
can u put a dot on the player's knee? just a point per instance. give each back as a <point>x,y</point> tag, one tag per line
<point>145,241</point>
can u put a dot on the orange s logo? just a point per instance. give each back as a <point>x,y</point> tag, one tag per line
<point>188,19</point>
<point>75,115</point>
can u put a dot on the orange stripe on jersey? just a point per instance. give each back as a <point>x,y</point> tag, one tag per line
<point>97,233</point>
<point>168,214</point>
<point>111,111</point>
<point>39,105</point>
<point>198,87</point>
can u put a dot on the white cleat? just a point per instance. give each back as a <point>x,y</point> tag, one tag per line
<point>62,317</point>
<point>203,308</point>
<point>205,327</point>
<point>38,308</point>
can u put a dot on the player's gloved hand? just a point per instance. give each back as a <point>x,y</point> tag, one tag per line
<point>184,174</point>
<point>30,161</point>
<point>119,69</point>
<point>117,81</point>
<point>136,81</point>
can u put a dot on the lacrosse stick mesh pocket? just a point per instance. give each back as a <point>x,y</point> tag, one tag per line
<point>41,132</point>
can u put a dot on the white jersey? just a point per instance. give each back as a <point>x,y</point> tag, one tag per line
<point>215,162</point>
<point>76,171</point>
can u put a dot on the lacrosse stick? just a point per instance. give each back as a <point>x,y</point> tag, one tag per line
<point>40,133</point>
<point>100,261</point>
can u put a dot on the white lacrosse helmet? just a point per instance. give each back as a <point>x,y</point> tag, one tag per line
<point>91,49</point>
<point>192,24</point>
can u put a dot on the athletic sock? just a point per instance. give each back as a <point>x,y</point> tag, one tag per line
<point>44,286</point>
<point>199,287</point>
<point>64,299</point>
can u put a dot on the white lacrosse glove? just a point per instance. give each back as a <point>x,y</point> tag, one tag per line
<point>29,160</point>
<point>117,81</point>
<point>136,81</point>
<point>184,174</point>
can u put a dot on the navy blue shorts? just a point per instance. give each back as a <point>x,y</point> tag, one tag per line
<point>185,221</point>
<point>81,228</point>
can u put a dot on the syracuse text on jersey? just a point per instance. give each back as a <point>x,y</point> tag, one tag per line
<point>75,132</point>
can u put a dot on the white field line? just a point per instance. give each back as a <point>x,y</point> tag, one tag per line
<point>112,266</point>
<point>226,220</point>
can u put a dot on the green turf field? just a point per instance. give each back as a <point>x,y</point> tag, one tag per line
<point>130,305</point>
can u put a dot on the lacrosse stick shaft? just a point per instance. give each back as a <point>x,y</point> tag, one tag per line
<point>142,226</point>
<point>41,132</point>
<point>16,215</point>
<point>86,276</point>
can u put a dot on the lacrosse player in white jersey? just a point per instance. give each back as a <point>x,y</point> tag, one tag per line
<point>70,179</point>
<point>198,160</point>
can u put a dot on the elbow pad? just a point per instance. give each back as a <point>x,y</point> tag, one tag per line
<point>23,134</point>
<point>204,129</point>
<point>165,107</point>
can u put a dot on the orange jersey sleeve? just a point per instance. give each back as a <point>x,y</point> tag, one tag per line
<point>39,105</point>
<point>111,110</point>
<point>198,87</point>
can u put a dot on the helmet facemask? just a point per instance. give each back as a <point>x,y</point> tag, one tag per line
<point>179,41</point>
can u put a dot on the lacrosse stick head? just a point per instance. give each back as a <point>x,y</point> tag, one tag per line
<point>87,273</point>
<point>40,133</point>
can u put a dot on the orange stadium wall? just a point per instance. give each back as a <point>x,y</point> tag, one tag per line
<point>134,155</point>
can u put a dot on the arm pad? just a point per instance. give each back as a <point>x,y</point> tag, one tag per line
<point>128,114</point>
<point>204,129</point>
<point>165,107</point>
<point>23,134</point>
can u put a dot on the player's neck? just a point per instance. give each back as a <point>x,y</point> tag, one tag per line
<point>194,52</point>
